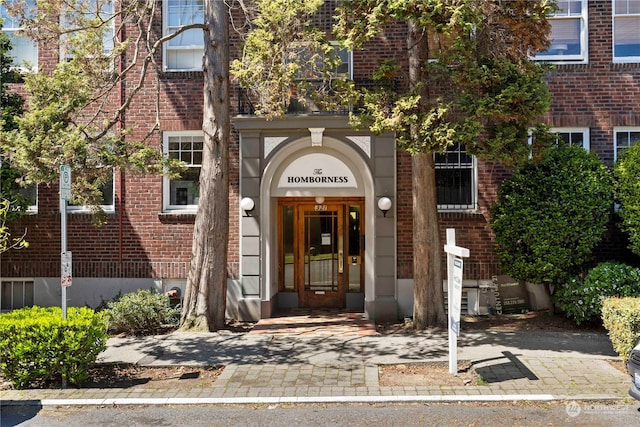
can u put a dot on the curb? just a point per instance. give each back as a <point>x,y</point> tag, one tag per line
<point>303,399</point>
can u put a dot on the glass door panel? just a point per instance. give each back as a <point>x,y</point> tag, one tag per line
<point>321,251</point>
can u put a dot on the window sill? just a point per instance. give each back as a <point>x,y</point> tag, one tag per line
<point>177,215</point>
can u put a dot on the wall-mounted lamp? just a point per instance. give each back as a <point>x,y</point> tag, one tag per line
<point>319,200</point>
<point>384,204</point>
<point>247,204</point>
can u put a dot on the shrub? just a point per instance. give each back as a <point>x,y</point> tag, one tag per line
<point>551,214</point>
<point>627,176</point>
<point>141,312</point>
<point>621,318</point>
<point>581,299</point>
<point>38,346</point>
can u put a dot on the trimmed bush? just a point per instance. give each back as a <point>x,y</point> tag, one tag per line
<point>621,317</point>
<point>142,312</point>
<point>39,347</point>
<point>581,299</point>
<point>627,177</point>
<point>551,214</point>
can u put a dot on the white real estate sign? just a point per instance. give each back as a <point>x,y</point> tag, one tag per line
<point>454,292</point>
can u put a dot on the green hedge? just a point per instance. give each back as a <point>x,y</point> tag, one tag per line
<point>621,317</point>
<point>40,348</point>
<point>581,299</point>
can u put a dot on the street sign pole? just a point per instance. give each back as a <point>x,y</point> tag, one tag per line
<point>65,260</point>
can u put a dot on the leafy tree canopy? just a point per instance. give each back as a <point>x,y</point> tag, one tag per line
<point>478,87</point>
<point>12,203</point>
<point>72,115</point>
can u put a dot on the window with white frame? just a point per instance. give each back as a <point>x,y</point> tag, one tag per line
<point>183,52</point>
<point>79,14</point>
<point>626,31</point>
<point>106,203</point>
<point>624,138</point>
<point>578,137</point>
<point>15,294</point>
<point>183,193</point>
<point>24,51</point>
<point>456,179</point>
<point>30,194</point>
<point>568,33</point>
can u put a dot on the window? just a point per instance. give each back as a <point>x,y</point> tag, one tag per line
<point>30,194</point>
<point>573,136</point>
<point>106,203</point>
<point>183,52</point>
<point>78,15</point>
<point>312,70</point>
<point>314,85</point>
<point>15,294</point>
<point>183,193</point>
<point>24,51</point>
<point>624,138</point>
<point>626,31</point>
<point>568,33</point>
<point>456,179</point>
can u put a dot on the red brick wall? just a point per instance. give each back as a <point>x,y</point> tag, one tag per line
<point>139,241</point>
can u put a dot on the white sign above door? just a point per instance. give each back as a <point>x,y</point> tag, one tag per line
<point>317,170</point>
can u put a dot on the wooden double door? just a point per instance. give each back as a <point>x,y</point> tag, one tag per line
<point>321,249</point>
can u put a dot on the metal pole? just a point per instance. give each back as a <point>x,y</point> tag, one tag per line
<point>63,249</point>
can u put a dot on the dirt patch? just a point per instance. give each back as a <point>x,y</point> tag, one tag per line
<point>127,376</point>
<point>531,321</point>
<point>133,376</point>
<point>428,374</point>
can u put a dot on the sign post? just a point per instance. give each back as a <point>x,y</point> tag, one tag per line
<point>454,289</point>
<point>65,257</point>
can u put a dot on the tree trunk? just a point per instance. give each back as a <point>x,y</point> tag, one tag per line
<point>206,291</point>
<point>428,297</point>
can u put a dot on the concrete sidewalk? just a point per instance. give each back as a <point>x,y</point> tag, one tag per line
<point>279,368</point>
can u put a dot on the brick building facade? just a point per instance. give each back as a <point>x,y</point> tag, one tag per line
<point>278,250</point>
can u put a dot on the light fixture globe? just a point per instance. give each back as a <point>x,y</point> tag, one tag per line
<point>384,204</point>
<point>247,204</point>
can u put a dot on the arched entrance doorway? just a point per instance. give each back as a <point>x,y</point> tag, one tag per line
<point>318,206</point>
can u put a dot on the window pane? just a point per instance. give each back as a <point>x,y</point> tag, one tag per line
<point>627,37</point>
<point>624,7</point>
<point>6,295</point>
<point>107,196</point>
<point>287,248</point>
<point>454,186</point>
<point>186,190</point>
<point>107,193</point>
<point>565,37</point>
<point>24,51</point>
<point>29,194</point>
<point>568,8</point>
<point>354,260</point>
